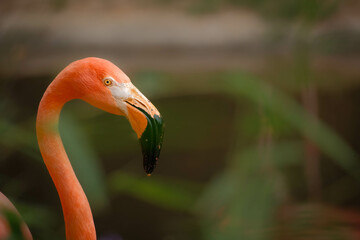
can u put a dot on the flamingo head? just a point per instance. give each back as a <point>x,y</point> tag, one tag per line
<point>103,85</point>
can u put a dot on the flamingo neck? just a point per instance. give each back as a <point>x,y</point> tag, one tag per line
<point>79,223</point>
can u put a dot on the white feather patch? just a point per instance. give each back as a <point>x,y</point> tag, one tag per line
<point>121,92</point>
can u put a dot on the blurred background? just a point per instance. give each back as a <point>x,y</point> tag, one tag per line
<point>260,99</point>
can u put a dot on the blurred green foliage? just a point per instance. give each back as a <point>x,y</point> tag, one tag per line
<point>307,10</point>
<point>84,161</point>
<point>14,224</point>
<point>165,193</point>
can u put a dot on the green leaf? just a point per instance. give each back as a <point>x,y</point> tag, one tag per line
<point>14,137</point>
<point>14,222</point>
<point>84,160</point>
<point>161,192</point>
<point>241,202</point>
<point>257,91</point>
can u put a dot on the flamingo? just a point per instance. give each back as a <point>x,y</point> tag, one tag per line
<point>103,85</point>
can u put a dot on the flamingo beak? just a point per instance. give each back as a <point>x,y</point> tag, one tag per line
<point>148,124</point>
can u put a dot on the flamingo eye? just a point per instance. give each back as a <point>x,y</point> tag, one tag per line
<point>107,81</point>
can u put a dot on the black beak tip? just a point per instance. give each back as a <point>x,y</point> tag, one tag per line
<point>151,142</point>
<point>149,168</point>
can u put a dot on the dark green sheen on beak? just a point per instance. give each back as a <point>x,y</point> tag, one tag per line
<point>151,140</point>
